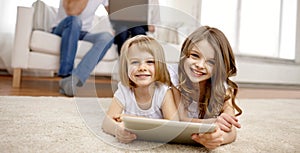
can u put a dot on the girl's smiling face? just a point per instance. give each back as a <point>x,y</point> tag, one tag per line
<point>141,66</point>
<point>200,62</point>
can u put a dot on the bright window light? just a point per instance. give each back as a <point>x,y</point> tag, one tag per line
<point>255,27</point>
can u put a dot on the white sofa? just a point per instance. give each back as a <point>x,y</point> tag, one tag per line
<point>39,50</point>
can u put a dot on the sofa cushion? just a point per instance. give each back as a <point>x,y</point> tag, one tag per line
<point>48,43</point>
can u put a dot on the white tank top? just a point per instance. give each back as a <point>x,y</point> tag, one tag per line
<point>126,96</point>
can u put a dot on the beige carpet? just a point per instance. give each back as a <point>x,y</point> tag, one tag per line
<point>58,124</point>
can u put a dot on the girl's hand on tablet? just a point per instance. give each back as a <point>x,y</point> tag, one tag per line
<point>123,135</point>
<point>210,140</point>
<point>226,121</point>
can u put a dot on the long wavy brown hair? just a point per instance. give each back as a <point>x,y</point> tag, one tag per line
<point>219,88</point>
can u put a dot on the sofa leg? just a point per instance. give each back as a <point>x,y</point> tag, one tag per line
<point>16,82</point>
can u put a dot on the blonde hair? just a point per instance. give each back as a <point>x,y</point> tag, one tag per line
<point>216,92</point>
<point>150,45</point>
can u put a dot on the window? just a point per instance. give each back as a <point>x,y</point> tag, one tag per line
<point>255,27</point>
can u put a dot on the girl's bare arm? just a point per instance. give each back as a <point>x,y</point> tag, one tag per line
<point>169,109</point>
<point>109,123</point>
<point>114,126</point>
<point>228,122</point>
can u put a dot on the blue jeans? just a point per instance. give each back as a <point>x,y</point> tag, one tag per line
<point>70,32</point>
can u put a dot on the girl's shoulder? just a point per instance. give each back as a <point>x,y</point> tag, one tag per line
<point>121,86</point>
<point>161,88</point>
<point>122,90</point>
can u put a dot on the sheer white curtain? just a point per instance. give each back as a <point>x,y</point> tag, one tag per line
<point>8,11</point>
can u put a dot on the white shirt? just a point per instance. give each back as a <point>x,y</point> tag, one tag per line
<point>86,16</point>
<point>128,100</point>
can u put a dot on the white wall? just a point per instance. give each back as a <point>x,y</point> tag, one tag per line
<point>255,71</point>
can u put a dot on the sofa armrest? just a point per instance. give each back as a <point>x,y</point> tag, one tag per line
<point>20,52</point>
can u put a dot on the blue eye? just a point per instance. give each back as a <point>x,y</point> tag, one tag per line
<point>134,62</point>
<point>211,62</point>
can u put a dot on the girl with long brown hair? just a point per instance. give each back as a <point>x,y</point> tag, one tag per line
<point>203,89</point>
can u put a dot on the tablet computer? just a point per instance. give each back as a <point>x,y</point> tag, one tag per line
<point>162,130</point>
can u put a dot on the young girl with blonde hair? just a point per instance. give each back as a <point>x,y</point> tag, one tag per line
<point>144,89</point>
<point>204,91</point>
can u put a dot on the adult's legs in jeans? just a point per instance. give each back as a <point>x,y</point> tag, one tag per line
<point>69,30</point>
<point>101,43</point>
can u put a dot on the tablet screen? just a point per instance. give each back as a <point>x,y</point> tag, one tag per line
<point>161,130</point>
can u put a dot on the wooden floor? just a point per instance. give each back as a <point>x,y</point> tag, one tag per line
<point>48,86</point>
<point>104,87</point>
